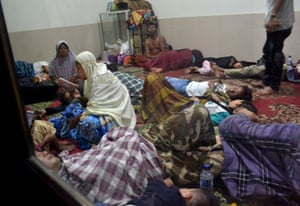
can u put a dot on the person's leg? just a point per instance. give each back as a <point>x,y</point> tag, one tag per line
<point>179,84</point>
<point>274,60</point>
<point>252,71</point>
<point>278,59</point>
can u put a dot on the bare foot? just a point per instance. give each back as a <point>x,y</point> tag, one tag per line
<point>218,71</point>
<point>156,69</point>
<point>257,84</point>
<point>194,70</point>
<point>65,145</point>
<point>265,91</point>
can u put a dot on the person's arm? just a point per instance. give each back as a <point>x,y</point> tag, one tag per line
<point>276,7</point>
<point>147,49</point>
<point>162,43</point>
<point>273,23</point>
<point>168,182</point>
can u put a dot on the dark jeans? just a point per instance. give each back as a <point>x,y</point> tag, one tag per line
<point>274,58</point>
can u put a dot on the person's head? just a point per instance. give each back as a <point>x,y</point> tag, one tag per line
<point>85,64</point>
<point>248,109</point>
<point>198,57</point>
<point>49,160</point>
<point>65,97</point>
<point>198,197</point>
<point>62,48</point>
<point>239,92</point>
<point>152,28</point>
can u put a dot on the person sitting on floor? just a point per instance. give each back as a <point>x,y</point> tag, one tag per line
<point>155,43</point>
<point>108,105</point>
<point>63,65</point>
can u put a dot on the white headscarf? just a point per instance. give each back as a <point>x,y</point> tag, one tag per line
<point>106,94</point>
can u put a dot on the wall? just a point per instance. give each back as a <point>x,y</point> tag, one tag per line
<point>217,27</point>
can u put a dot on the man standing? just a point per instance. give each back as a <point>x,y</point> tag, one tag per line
<point>279,20</point>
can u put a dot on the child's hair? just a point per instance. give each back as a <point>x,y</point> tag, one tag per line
<point>62,97</point>
<point>249,105</point>
<point>246,94</point>
<point>203,198</point>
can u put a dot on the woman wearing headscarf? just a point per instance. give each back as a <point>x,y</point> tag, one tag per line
<point>63,64</point>
<point>108,104</point>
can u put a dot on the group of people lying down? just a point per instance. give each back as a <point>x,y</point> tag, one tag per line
<point>160,162</point>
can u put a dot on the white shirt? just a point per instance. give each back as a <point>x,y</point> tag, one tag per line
<point>198,89</point>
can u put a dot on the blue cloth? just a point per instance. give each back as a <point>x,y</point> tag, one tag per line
<point>179,84</point>
<point>24,69</point>
<point>87,132</point>
<point>218,117</point>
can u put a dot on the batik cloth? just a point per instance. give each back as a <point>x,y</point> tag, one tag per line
<point>261,161</point>
<point>177,140</point>
<point>87,132</point>
<point>114,171</point>
<point>160,99</point>
<point>39,130</point>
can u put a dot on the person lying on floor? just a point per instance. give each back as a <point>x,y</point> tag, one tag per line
<point>44,138</point>
<point>160,99</point>
<point>191,88</point>
<point>239,137</point>
<point>228,62</point>
<point>135,165</point>
<point>182,142</point>
<point>261,161</point>
<point>165,193</point>
<point>255,156</point>
<point>251,71</point>
<point>38,70</point>
<point>175,59</point>
<point>64,97</point>
<point>187,87</point>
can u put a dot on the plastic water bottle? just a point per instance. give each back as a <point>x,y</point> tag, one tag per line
<point>207,177</point>
<point>291,74</point>
<point>290,61</point>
